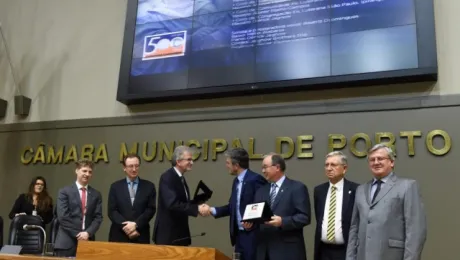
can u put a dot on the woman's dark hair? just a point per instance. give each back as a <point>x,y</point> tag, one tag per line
<point>44,201</point>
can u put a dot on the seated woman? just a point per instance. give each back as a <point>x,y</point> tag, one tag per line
<point>35,202</point>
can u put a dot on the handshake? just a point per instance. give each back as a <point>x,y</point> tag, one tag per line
<point>205,210</point>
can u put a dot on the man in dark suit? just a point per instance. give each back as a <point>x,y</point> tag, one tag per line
<point>79,211</point>
<point>282,237</point>
<point>333,201</point>
<point>244,189</point>
<point>131,205</point>
<point>175,204</point>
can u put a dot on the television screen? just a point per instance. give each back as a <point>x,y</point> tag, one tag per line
<point>192,48</point>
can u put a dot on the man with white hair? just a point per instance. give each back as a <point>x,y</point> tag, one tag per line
<point>333,201</point>
<point>389,221</point>
<point>175,204</point>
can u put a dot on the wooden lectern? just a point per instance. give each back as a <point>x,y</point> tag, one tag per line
<point>95,250</point>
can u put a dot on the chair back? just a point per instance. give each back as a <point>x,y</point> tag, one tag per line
<point>30,240</point>
<point>54,228</point>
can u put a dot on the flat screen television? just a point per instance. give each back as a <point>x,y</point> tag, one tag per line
<point>192,49</point>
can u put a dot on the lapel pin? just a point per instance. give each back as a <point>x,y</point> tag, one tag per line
<point>349,192</point>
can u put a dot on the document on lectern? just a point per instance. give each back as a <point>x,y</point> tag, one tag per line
<point>257,212</point>
<point>202,193</point>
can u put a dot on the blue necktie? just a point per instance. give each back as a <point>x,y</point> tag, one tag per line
<point>238,214</point>
<point>273,194</point>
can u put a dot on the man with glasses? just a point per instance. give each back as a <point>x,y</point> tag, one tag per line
<point>131,205</point>
<point>389,221</point>
<point>175,203</point>
<point>333,201</point>
<point>282,236</point>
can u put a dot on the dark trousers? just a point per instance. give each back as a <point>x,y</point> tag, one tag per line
<point>245,245</point>
<point>332,252</point>
<point>71,252</point>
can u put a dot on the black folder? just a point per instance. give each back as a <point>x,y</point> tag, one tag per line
<point>202,193</point>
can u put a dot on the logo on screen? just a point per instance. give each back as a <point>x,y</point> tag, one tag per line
<point>165,45</point>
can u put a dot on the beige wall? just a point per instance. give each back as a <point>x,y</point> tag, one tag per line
<point>67,55</point>
<point>436,174</point>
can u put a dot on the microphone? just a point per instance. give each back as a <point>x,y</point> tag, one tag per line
<point>29,227</point>
<point>184,238</point>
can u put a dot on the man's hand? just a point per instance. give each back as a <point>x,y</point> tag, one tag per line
<point>83,236</point>
<point>276,221</point>
<point>133,235</point>
<point>129,227</point>
<point>247,225</point>
<point>205,210</point>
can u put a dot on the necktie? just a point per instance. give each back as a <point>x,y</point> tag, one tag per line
<point>83,207</point>
<point>132,193</point>
<point>83,201</point>
<point>185,186</point>
<point>238,190</point>
<point>273,194</point>
<point>379,184</point>
<point>331,218</point>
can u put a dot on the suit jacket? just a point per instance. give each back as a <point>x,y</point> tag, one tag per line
<point>70,217</point>
<point>251,183</point>
<point>348,201</point>
<point>120,209</point>
<point>174,210</point>
<point>292,203</point>
<point>393,227</point>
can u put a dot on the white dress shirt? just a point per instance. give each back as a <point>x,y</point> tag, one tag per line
<point>180,175</point>
<point>339,240</point>
<point>79,186</point>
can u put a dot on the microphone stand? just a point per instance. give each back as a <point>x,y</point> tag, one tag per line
<point>27,227</point>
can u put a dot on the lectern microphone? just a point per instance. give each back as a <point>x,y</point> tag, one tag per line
<point>184,238</point>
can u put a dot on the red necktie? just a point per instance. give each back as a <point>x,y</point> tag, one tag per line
<point>83,201</point>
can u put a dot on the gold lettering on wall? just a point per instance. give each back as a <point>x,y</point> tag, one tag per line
<point>282,142</point>
<point>410,140</point>
<point>386,138</point>
<point>145,151</point>
<point>197,145</point>
<point>218,146</point>
<point>55,157</point>
<point>166,150</point>
<point>437,142</point>
<point>360,152</point>
<point>124,150</point>
<point>446,139</point>
<point>302,146</point>
<point>336,142</point>
<point>251,151</point>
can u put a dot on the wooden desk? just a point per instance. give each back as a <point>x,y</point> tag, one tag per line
<point>29,257</point>
<point>95,250</point>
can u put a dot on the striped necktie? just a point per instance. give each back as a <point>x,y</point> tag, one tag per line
<point>331,219</point>
<point>273,194</point>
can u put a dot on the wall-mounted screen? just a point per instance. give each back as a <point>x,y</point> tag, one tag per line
<point>191,48</point>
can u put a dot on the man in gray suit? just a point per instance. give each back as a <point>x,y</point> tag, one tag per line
<point>389,221</point>
<point>79,211</point>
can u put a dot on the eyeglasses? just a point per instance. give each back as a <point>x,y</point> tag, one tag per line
<point>333,165</point>
<point>132,166</point>
<point>40,184</point>
<point>378,159</point>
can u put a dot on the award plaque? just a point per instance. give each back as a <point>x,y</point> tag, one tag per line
<point>257,212</point>
<point>202,193</point>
